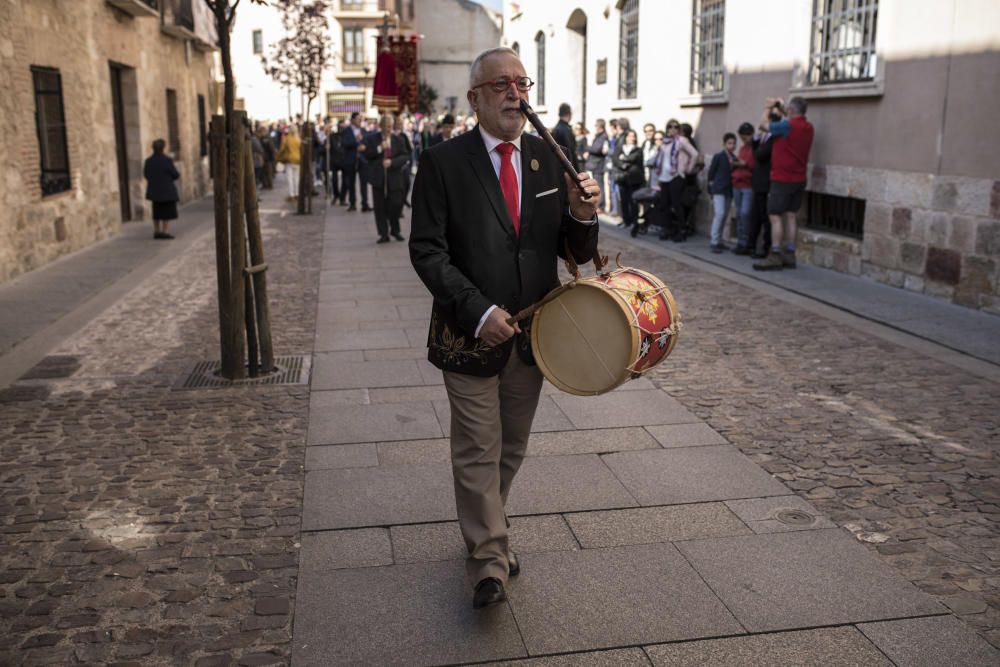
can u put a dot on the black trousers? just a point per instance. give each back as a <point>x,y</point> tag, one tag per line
<point>363,181</point>
<point>630,209</point>
<point>388,208</point>
<point>673,209</point>
<point>347,185</point>
<point>760,223</point>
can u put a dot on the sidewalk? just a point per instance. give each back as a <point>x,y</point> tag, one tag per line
<point>970,332</point>
<point>645,537</point>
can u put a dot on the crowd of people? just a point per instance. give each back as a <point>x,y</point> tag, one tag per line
<point>759,174</point>
<point>656,180</point>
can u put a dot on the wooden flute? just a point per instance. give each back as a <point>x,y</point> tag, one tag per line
<point>544,134</point>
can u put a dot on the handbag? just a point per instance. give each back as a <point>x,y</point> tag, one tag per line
<point>280,167</point>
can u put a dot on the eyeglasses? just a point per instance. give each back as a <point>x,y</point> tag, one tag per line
<point>501,85</point>
<point>673,127</point>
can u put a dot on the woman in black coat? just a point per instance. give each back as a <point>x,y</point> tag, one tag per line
<point>628,163</point>
<point>160,175</point>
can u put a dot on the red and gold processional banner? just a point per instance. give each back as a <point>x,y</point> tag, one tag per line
<point>404,55</point>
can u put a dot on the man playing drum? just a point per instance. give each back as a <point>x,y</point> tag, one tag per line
<point>492,211</point>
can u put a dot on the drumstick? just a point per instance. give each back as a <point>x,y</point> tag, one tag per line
<point>544,134</point>
<point>525,313</point>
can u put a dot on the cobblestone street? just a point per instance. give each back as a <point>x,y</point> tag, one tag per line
<point>143,524</point>
<point>146,524</point>
<point>898,448</point>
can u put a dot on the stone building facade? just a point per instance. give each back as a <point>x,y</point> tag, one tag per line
<point>455,32</point>
<point>122,73</point>
<point>903,182</point>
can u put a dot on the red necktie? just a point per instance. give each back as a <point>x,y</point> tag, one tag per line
<point>508,183</point>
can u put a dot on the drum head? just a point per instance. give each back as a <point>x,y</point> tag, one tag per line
<point>583,341</point>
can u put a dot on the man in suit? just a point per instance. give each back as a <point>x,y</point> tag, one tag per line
<point>352,140</point>
<point>563,133</point>
<point>492,209</point>
<point>387,155</point>
<point>597,153</point>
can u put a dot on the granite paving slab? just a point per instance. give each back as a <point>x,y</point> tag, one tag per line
<point>414,452</point>
<point>686,435</point>
<point>322,457</point>
<point>625,657</point>
<point>327,400</point>
<point>844,647</point>
<point>548,417</point>
<point>549,484</point>
<point>623,408</point>
<point>329,340</point>
<point>443,541</point>
<point>603,598</point>
<point>414,614</point>
<point>366,311</point>
<point>783,581</point>
<point>395,353</point>
<point>931,642</point>
<point>779,514</point>
<point>377,496</point>
<point>647,525</point>
<point>344,549</point>
<point>339,424</point>
<point>691,475</point>
<point>372,325</point>
<point>590,441</point>
<point>338,374</point>
<point>408,394</point>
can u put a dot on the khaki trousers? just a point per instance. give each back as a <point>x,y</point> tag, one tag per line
<point>490,422</point>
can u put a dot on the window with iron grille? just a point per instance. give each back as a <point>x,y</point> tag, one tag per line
<point>354,47</point>
<point>202,134</point>
<point>843,41</point>
<point>628,51</point>
<point>258,42</point>
<point>708,22</point>
<point>540,84</point>
<point>50,122</point>
<point>838,215</point>
<point>173,125</point>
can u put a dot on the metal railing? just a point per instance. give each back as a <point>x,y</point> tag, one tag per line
<point>843,41</point>
<point>838,215</point>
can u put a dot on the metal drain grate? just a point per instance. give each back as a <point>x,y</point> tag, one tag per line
<point>288,370</point>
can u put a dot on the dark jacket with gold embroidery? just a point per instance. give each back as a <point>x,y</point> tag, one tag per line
<point>463,245</point>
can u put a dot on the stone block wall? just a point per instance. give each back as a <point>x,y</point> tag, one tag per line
<point>81,39</point>
<point>934,234</point>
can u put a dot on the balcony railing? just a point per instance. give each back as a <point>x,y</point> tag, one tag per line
<point>178,18</point>
<point>137,8</point>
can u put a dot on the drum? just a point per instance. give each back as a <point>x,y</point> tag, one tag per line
<point>606,330</point>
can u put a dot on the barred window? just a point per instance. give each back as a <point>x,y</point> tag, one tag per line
<point>843,41</point>
<point>628,51</point>
<point>50,122</point>
<point>838,215</point>
<point>258,42</point>
<point>540,84</point>
<point>173,124</point>
<point>708,22</point>
<point>354,47</point>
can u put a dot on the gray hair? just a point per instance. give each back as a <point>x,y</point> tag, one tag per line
<point>798,105</point>
<point>477,64</point>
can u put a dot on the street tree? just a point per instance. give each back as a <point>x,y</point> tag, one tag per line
<point>298,61</point>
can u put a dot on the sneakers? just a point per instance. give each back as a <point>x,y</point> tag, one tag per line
<point>772,262</point>
<point>788,259</point>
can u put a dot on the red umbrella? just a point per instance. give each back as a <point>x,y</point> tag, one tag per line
<point>385,93</point>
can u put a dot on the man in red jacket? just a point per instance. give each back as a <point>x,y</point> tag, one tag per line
<point>789,167</point>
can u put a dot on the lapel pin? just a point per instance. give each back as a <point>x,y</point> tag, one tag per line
<point>534,165</point>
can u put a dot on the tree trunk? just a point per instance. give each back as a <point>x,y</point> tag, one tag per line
<point>258,271</point>
<point>230,351</point>
<point>305,170</point>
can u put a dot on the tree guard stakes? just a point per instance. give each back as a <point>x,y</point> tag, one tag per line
<point>244,315</point>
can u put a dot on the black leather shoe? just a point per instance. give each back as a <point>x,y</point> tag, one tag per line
<point>513,565</point>
<point>351,208</point>
<point>367,209</point>
<point>489,591</point>
<point>383,239</point>
<point>398,237</point>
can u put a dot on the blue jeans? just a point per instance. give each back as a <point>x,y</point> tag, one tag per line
<point>743,201</point>
<point>721,205</point>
